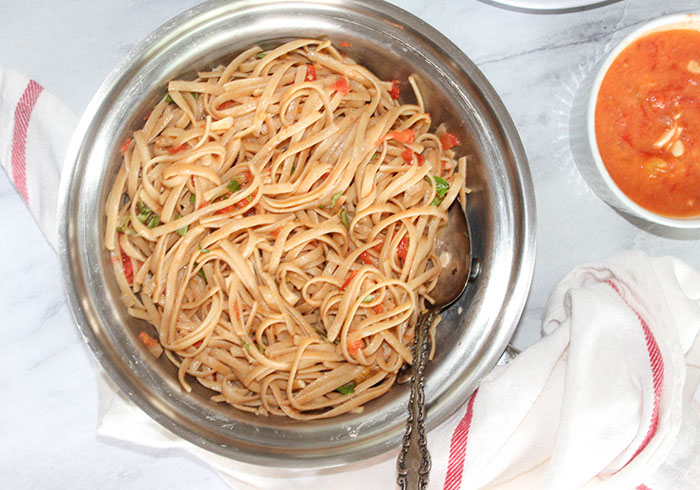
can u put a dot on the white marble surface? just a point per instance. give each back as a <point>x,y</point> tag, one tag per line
<point>48,395</point>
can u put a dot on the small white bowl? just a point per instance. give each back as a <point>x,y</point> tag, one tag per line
<point>584,145</point>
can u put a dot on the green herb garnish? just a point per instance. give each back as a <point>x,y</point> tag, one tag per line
<point>168,98</point>
<point>436,201</point>
<point>375,156</point>
<point>441,186</point>
<point>193,198</point>
<point>260,55</point>
<point>181,231</point>
<point>245,344</point>
<point>260,348</point>
<point>195,95</point>
<point>368,298</point>
<point>234,185</point>
<point>334,199</point>
<point>344,218</point>
<point>203,250</point>
<point>346,389</point>
<point>203,276</point>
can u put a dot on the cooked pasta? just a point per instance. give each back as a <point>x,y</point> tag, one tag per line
<point>275,220</point>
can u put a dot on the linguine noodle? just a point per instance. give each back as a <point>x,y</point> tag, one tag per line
<point>275,221</point>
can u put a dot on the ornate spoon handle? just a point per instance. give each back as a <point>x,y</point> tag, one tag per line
<point>413,464</point>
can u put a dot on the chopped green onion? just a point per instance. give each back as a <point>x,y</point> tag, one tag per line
<point>142,217</point>
<point>123,228</point>
<point>234,185</point>
<point>143,209</point>
<point>195,95</point>
<point>193,198</point>
<point>260,348</point>
<point>294,167</point>
<point>203,250</point>
<point>344,218</point>
<point>335,198</point>
<point>153,221</point>
<point>368,298</point>
<point>375,156</point>
<point>203,276</point>
<point>436,201</point>
<point>260,55</point>
<point>168,98</point>
<point>249,198</point>
<point>245,344</point>
<point>346,389</point>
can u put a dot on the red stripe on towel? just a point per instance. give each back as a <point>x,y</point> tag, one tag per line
<point>23,112</point>
<point>656,364</point>
<point>458,448</point>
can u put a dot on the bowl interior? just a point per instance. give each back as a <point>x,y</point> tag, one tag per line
<point>393,44</point>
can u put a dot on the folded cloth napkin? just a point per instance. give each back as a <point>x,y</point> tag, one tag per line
<point>607,399</point>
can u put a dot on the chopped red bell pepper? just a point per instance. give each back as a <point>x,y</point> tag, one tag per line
<point>348,280</point>
<point>402,249</point>
<point>147,340</point>
<point>407,136</point>
<point>125,146</point>
<point>395,89</point>
<point>341,86</point>
<point>354,347</point>
<point>344,44</point>
<point>310,73</point>
<point>126,263</point>
<point>227,209</point>
<point>448,140</point>
<point>226,105</point>
<point>379,309</point>
<point>366,258</point>
<point>177,149</point>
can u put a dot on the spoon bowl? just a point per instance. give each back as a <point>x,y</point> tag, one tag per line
<point>454,251</point>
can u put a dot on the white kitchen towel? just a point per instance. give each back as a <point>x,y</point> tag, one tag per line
<point>607,399</point>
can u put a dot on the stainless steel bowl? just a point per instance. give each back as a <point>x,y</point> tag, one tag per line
<point>392,43</point>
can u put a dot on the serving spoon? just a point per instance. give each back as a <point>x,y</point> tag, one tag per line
<point>453,249</point>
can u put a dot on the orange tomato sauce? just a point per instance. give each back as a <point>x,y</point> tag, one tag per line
<point>647,122</point>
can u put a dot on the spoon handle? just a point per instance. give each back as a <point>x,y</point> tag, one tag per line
<point>413,463</point>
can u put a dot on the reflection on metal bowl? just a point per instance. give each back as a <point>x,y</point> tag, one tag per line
<point>394,44</point>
